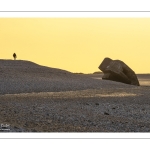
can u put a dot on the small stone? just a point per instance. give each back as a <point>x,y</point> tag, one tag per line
<point>49,121</point>
<point>16,127</point>
<point>96,103</point>
<point>26,124</point>
<point>89,121</point>
<point>61,118</point>
<point>33,130</point>
<point>105,113</point>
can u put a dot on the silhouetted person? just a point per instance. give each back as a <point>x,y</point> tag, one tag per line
<point>15,56</point>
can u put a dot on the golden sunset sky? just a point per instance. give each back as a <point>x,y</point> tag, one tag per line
<point>77,44</point>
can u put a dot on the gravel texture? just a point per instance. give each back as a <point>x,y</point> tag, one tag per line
<point>34,98</point>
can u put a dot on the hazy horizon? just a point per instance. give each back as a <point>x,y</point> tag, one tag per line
<point>77,44</point>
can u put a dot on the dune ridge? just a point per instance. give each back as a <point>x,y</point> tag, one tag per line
<point>24,76</point>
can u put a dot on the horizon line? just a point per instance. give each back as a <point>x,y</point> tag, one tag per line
<point>96,72</point>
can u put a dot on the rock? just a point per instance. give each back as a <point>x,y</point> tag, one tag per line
<point>117,70</point>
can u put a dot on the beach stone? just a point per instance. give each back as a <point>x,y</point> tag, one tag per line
<point>105,113</point>
<point>117,70</point>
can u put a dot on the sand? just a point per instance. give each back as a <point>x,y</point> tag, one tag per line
<point>35,98</point>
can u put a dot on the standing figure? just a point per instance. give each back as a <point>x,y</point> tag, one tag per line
<point>15,56</point>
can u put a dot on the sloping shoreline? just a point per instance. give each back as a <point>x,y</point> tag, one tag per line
<point>26,77</point>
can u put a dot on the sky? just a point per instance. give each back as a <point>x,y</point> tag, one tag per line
<point>77,44</point>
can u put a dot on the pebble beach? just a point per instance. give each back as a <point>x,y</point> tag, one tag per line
<point>36,98</point>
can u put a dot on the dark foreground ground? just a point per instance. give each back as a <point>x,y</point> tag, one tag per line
<point>40,99</point>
